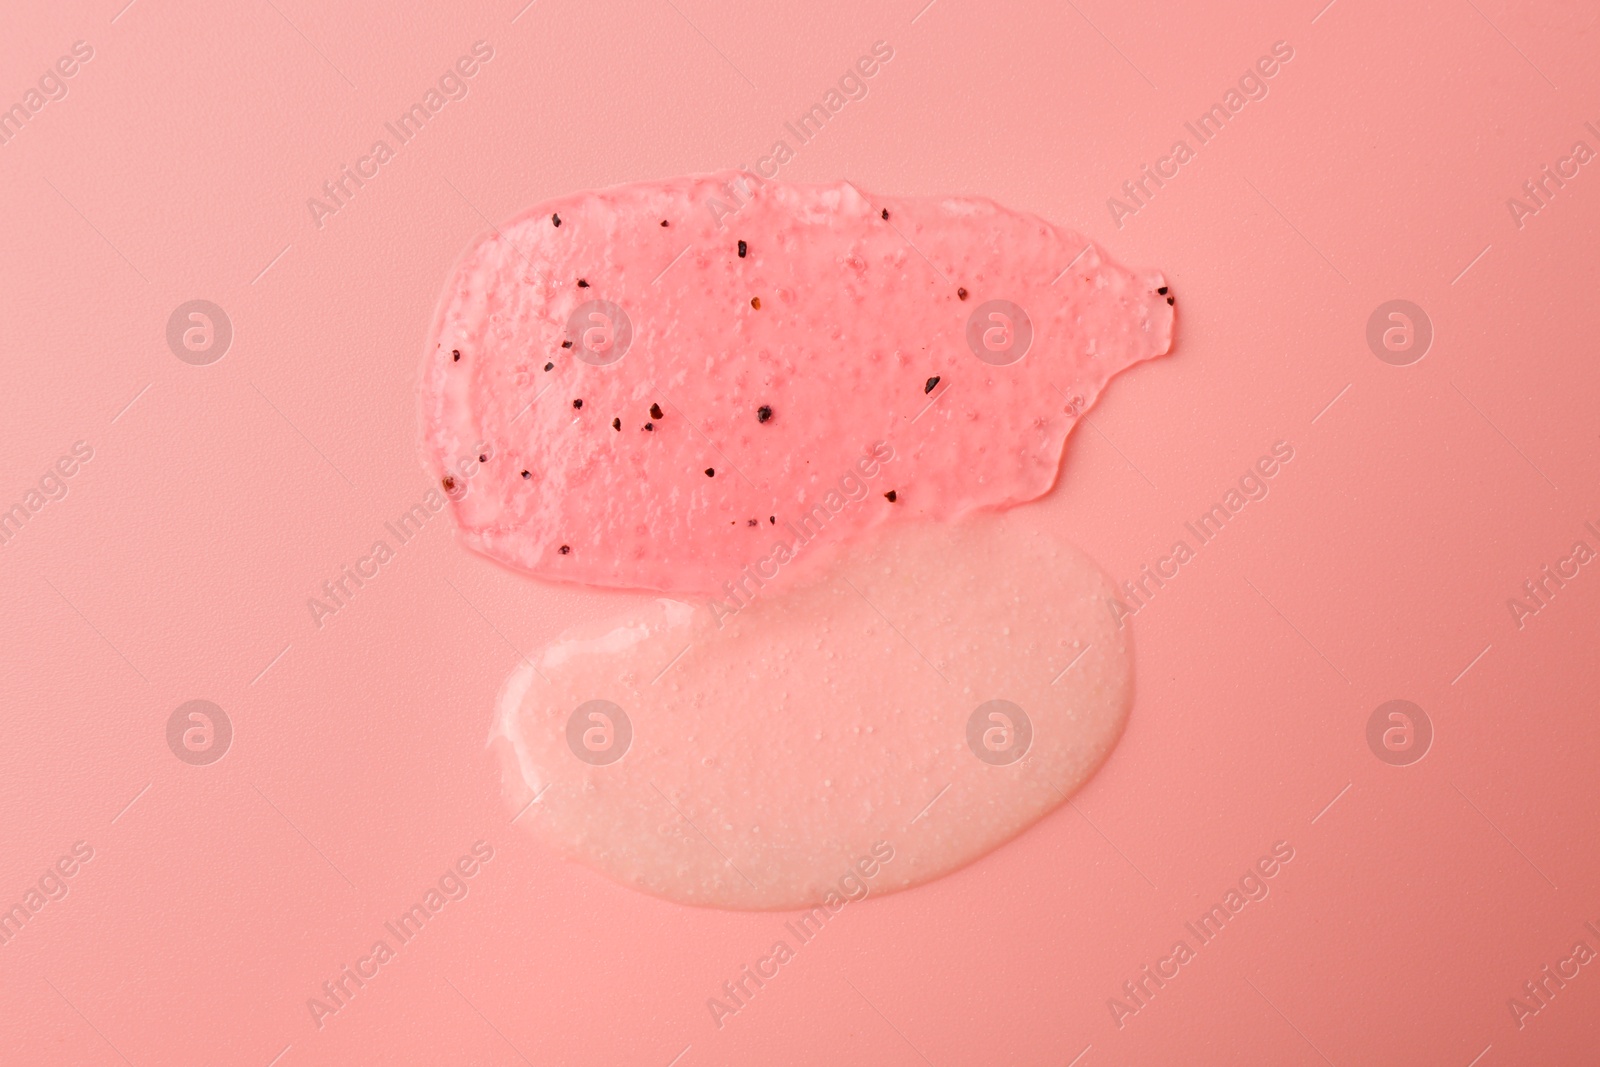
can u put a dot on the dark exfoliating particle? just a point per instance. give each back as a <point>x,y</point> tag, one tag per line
<point>650,426</point>
<point>663,222</point>
<point>751,522</point>
<point>565,549</point>
<point>755,302</point>
<point>961,294</point>
<point>449,484</point>
<point>556,219</point>
<point>885,214</point>
<point>582,284</point>
<point>655,411</point>
<point>566,344</point>
<point>616,424</point>
<point>483,457</point>
<point>455,355</point>
<point>773,519</point>
<point>1170,300</point>
<point>743,248</point>
<point>891,496</point>
<point>1162,290</point>
<point>763,413</point>
<point>711,472</point>
<point>527,474</point>
<point>549,366</point>
<point>577,403</point>
<point>928,388</point>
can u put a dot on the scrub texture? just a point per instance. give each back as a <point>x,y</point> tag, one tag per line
<point>798,420</point>
<point>656,374</point>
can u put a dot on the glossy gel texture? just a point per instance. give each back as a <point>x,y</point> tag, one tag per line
<point>865,332</point>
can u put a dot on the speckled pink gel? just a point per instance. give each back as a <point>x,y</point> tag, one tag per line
<point>802,413</point>
<point>861,334</point>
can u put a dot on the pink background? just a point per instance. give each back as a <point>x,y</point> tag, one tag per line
<point>219,497</point>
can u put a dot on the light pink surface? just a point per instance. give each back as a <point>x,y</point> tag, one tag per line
<point>219,498</point>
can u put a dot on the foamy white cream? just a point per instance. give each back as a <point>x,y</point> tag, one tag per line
<point>768,754</point>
